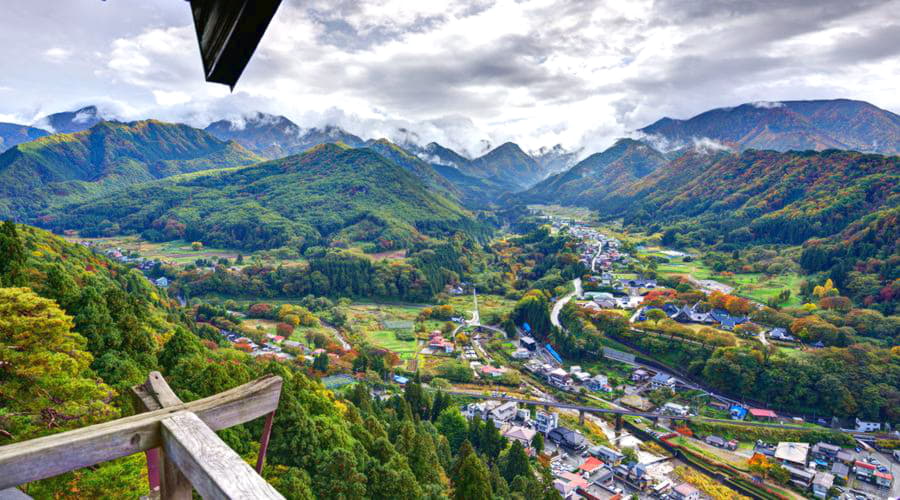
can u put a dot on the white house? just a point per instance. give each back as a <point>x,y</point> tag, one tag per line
<point>545,422</point>
<point>863,426</point>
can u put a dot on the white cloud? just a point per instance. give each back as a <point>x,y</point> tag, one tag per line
<point>767,104</point>
<point>170,98</point>
<point>57,54</point>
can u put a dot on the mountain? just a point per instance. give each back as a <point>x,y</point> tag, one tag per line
<point>330,195</point>
<point>598,175</point>
<point>12,134</point>
<point>555,160</point>
<point>69,122</point>
<point>61,168</point>
<point>436,154</point>
<point>272,136</point>
<point>790,125</point>
<point>762,196</point>
<point>506,165</point>
<point>414,165</point>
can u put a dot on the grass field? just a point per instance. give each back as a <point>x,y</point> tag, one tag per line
<point>367,320</point>
<point>487,304</point>
<point>579,214</point>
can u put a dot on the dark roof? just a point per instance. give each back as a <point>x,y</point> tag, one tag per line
<point>228,32</point>
<point>567,437</point>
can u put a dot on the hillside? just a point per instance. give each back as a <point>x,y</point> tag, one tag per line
<point>56,169</point>
<point>13,133</point>
<point>555,160</point>
<point>414,165</point>
<point>272,136</point>
<point>329,194</point>
<point>766,196</point>
<point>790,125</point>
<point>507,164</point>
<point>597,175</point>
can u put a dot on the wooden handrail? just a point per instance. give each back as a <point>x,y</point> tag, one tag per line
<point>49,456</point>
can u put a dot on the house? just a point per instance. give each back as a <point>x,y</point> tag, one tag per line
<point>800,476</point>
<point>760,414</point>
<point>559,378</point>
<point>662,380</point>
<point>528,343</point>
<point>883,479</point>
<point>640,375</point>
<point>488,370</point>
<point>634,474</point>
<point>504,412</point>
<point>738,412</point>
<point>675,409</point>
<point>598,383</point>
<point>864,470</point>
<point>162,282</point>
<point>544,422</point>
<point>591,465</point>
<point>841,470</point>
<point>715,441</point>
<point>845,457</point>
<point>790,453</point>
<point>821,483</point>
<point>863,426</point>
<point>781,334</point>
<point>399,379</point>
<point>277,339</point>
<point>567,438</point>
<point>685,491</point>
<point>825,452</point>
<point>523,435</point>
<point>521,353</point>
<point>607,455</point>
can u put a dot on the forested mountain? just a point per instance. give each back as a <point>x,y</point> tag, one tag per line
<point>56,169</point>
<point>327,195</point>
<point>414,165</point>
<point>787,125</point>
<point>13,133</point>
<point>506,164</point>
<point>597,175</point>
<point>68,122</point>
<point>273,136</point>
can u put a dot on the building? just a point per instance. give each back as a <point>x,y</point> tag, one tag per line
<point>825,452</point>
<point>760,414</point>
<point>662,380</point>
<point>521,353</point>
<point>559,378</point>
<point>801,477</point>
<point>505,412</point>
<point>399,379</point>
<point>841,470</point>
<point>591,465</point>
<point>685,491</point>
<point>162,282</point>
<point>863,426</point>
<point>544,422</point>
<point>567,438</point>
<point>528,343</point>
<point>821,483</point>
<point>795,454</point>
<point>781,334</point>
<point>523,435</point>
<point>883,479</point>
<point>598,383</point>
<point>608,455</point>
<point>864,470</point>
<point>439,343</point>
<point>719,442</point>
<point>640,375</point>
<point>675,410</point>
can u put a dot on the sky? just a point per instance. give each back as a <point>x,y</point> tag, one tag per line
<point>579,73</point>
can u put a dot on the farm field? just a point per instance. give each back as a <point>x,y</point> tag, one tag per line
<point>179,252</point>
<point>487,304</point>
<point>579,214</point>
<point>368,321</point>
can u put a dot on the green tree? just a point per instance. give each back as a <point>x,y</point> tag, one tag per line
<point>473,480</point>
<point>537,442</point>
<point>47,384</point>
<point>453,425</point>
<point>656,315</point>
<point>321,362</point>
<point>12,255</point>
<point>515,462</point>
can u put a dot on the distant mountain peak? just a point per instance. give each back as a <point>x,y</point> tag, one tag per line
<point>68,122</point>
<point>275,136</point>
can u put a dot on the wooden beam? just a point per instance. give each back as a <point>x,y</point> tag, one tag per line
<point>53,455</point>
<point>214,469</point>
<point>155,394</point>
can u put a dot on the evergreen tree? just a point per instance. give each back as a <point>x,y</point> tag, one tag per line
<point>498,485</point>
<point>473,480</point>
<point>537,442</point>
<point>452,424</point>
<point>515,462</point>
<point>12,256</point>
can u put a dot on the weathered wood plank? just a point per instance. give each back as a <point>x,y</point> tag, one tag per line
<point>213,468</point>
<point>154,394</point>
<point>53,455</point>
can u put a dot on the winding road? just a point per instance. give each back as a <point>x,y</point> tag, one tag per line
<point>557,307</point>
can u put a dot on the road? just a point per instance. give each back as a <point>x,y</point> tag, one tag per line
<point>762,339</point>
<point>557,307</point>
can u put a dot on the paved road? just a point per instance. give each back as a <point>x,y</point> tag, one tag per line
<point>763,340</point>
<point>557,307</point>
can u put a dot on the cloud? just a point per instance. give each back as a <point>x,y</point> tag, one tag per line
<point>767,104</point>
<point>707,145</point>
<point>465,74</point>
<point>57,54</point>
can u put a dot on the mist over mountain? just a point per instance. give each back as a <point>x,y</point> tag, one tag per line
<point>13,133</point>
<point>787,125</point>
<point>68,122</point>
<point>272,136</point>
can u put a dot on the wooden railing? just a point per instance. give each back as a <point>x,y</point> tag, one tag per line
<point>183,452</point>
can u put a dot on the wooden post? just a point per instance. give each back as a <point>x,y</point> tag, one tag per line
<point>264,442</point>
<point>214,469</point>
<point>153,395</point>
<point>56,454</point>
<point>581,417</point>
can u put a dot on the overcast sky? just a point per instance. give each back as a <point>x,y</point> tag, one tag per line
<point>541,72</point>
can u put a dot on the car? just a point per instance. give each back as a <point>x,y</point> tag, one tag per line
<point>858,449</point>
<point>882,468</point>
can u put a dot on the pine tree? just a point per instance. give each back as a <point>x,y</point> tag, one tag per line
<point>515,462</point>
<point>473,481</point>
<point>12,256</point>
